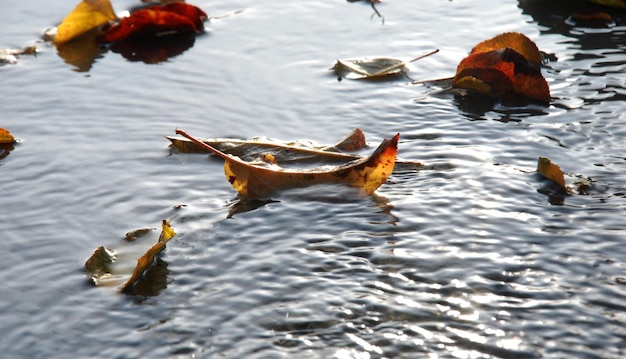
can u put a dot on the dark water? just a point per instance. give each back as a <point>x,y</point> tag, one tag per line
<point>470,257</point>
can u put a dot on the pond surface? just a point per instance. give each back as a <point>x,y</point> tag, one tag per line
<point>473,256</point>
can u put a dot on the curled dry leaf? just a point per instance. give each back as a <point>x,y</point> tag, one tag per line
<point>87,15</point>
<point>255,180</point>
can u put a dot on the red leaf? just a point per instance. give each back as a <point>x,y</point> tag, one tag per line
<point>193,13</point>
<point>146,23</point>
<point>502,74</point>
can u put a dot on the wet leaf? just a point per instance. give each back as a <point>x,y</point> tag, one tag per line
<point>98,266</point>
<point>502,74</point>
<point>6,137</point>
<point>146,261</point>
<point>176,17</point>
<point>107,267</point>
<point>551,171</point>
<point>570,183</point>
<point>366,68</point>
<point>87,15</point>
<point>513,40</point>
<point>258,180</point>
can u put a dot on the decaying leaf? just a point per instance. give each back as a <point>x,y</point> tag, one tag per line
<point>502,74</point>
<point>369,68</point>
<point>258,180</point>
<point>108,267</point>
<point>568,182</point>
<point>87,15</point>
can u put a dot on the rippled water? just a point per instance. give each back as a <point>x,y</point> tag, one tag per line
<point>473,256</point>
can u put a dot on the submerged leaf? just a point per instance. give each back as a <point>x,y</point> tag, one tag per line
<point>87,15</point>
<point>261,180</point>
<point>147,259</point>
<point>98,266</point>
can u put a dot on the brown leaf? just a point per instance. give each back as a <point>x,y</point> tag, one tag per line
<point>258,181</point>
<point>552,171</point>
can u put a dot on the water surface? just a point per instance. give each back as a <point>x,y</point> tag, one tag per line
<point>473,256</point>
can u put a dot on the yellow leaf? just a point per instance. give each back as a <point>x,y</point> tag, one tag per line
<point>167,232</point>
<point>552,171</point>
<point>87,15</point>
<point>6,137</point>
<point>261,180</point>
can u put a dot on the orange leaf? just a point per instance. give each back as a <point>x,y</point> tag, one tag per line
<point>255,180</point>
<point>614,3</point>
<point>514,40</point>
<point>551,171</point>
<point>6,137</point>
<point>503,73</point>
<point>146,23</point>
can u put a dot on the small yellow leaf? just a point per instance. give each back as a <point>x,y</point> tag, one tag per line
<point>251,180</point>
<point>167,231</point>
<point>6,137</point>
<point>87,15</point>
<point>552,171</point>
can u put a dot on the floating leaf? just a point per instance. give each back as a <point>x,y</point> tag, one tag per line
<point>513,40</point>
<point>6,137</point>
<point>290,151</point>
<point>501,74</point>
<point>106,267</point>
<point>366,68</point>
<point>176,17</point>
<point>98,266</point>
<point>261,180</point>
<point>551,171</point>
<point>147,259</point>
<point>570,183</point>
<point>87,15</point>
